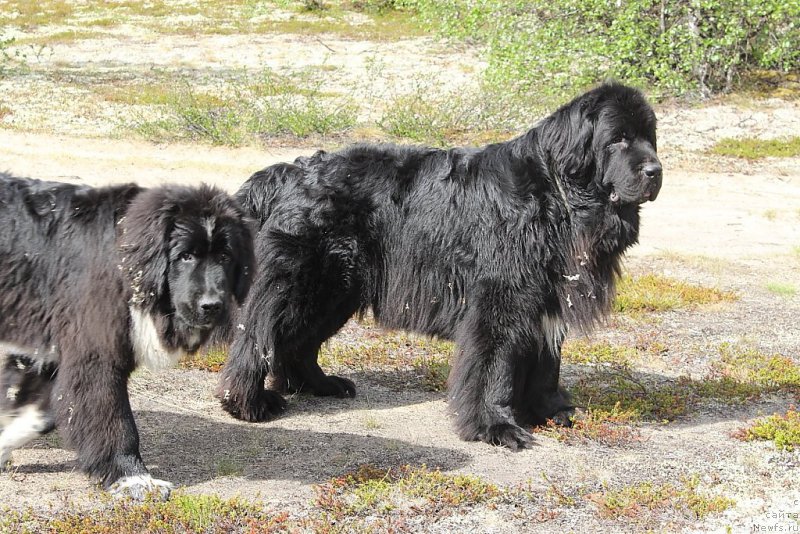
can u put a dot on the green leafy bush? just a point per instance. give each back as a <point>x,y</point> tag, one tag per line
<point>560,46</point>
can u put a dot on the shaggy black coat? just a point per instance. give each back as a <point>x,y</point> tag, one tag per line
<point>497,248</point>
<point>95,281</point>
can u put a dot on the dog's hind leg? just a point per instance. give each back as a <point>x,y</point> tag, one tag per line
<point>312,309</point>
<point>25,387</point>
<point>27,424</point>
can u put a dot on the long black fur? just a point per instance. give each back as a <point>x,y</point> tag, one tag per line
<point>497,248</point>
<point>78,267</point>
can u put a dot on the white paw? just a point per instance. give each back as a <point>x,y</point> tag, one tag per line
<point>5,459</point>
<point>140,487</point>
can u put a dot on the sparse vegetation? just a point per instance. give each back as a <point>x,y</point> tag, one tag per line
<point>753,149</point>
<point>242,111</point>
<point>654,293</point>
<point>782,429</point>
<point>372,490</point>
<point>637,502</point>
<point>741,373</point>
<point>182,513</point>
<point>211,359</point>
<point>427,358</point>
<point>613,428</point>
<point>781,288</point>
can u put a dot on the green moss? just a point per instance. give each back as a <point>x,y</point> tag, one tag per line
<point>653,293</point>
<point>371,490</point>
<point>182,513</point>
<point>753,149</point>
<point>638,501</point>
<point>209,359</point>
<point>581,351</point>
<point>741,373</point>
<point>784,430</point>
<point>782,289</point>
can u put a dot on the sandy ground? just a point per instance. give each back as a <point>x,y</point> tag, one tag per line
<point>719,222</point>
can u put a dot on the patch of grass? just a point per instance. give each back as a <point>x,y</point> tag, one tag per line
<point>770,214</point>
<point>428,358</point>
<point>435,370</point>
<point>371,423</point>
<point>747,365</point>
<point>637,500</point>
<point>245,111</point>
<point>581,351</point>
<point>611,428</point>
<point>139,94</point>
<point>182,513</point>
<point>371,490</point>
<point>65,36</point>
<point>741,373</point>
<point>782,289</point>
<point>469,115</point>
<point>210,359</point>
<point>654,293</point>
<point>385,26</point>
<point>25,14</point>
<point>784,430</point>
<point>753,149</point>
<point>229,467</point>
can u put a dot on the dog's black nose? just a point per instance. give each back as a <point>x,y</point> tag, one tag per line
<point>211,306</point>
<point>652,170</point>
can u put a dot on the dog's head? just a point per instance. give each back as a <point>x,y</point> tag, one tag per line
<point>605,140</point>
<point>187,254</point>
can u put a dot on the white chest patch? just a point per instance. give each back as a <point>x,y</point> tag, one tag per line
<point>553,330</point>
<point>147,347</point>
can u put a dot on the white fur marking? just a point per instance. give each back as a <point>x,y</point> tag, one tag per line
<point>20,430</point>
<point>148,349</point>
<point>553,330</point>
<point>209,224</point>
<point>11,394</point>
<point>140,484</point>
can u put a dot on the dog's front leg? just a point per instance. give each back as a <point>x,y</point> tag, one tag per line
<point>490,343</point>
<point>94,415</point>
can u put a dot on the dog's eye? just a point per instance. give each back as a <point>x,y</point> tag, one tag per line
<point>187,256</point>
<point>224,257</point>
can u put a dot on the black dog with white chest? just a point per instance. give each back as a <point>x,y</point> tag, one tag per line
<point>498,248</point>
<point>95,282</point>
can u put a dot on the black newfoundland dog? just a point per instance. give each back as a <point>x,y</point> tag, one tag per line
<point>95,282</point>
<point>498,248</point>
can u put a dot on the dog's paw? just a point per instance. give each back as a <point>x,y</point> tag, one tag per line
<point>267,406</point>
<point>507,435</point>
<point>563,418</point>
<point>141,487</point>
<point>5,459</point>
<point>335,386</point>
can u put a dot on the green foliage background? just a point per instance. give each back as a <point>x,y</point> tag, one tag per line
<point>671,47</point>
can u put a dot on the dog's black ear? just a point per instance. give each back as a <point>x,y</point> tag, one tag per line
<point>143,244</point>
<point>568,136</point>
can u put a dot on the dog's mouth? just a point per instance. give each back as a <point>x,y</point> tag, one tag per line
<point>616,200</point>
